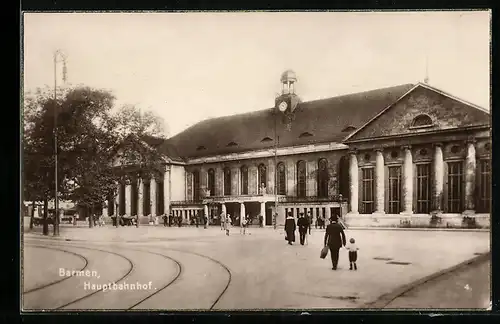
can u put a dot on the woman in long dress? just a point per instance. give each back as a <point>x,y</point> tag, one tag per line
<point>227,223</point>
<point>290,228</point>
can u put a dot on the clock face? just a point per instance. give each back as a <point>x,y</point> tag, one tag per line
<point>282,106</point>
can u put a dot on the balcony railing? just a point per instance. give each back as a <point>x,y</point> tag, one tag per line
<point>281,199</point>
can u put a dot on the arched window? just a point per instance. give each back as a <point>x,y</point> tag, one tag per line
<point>422,120</point>
<point>281,185</point>
<point>262,176</point>
<point>301,179</point>
<point>323,178</point>
<point>244,180</point>
<point>196,185</point>
<point>211,182</point>
<point>227,181</point>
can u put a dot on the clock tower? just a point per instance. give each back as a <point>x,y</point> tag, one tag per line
<point>287,101</point>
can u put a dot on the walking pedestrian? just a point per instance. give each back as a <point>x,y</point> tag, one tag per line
<point>261,220</point>
<point>334,239</point>
<point>222,220</point>
<point>303,224</point>
<point>206,219</point>
<point>353,253</point>
<point>290,228</point>
<point>243,223</point>
<point>227,223</point>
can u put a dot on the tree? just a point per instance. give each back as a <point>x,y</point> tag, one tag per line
<point>89,138</point>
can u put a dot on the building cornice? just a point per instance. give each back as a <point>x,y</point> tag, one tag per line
<point>434,132</point>
<point>282,151</point>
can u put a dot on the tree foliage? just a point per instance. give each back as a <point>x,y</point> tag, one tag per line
<point>89,136</point>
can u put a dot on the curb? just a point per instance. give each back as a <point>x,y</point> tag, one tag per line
<point>384,300</point>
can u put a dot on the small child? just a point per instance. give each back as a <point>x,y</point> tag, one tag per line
<point>353,253</point>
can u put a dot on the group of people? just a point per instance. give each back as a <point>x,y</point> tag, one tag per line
<point>334,239</point>
<point>226,222</point>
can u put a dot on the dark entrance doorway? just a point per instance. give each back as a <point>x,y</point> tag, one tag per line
<point>233,209</point>
<point>252,209</point>
<point>269,214</point>
<point>343,175</point>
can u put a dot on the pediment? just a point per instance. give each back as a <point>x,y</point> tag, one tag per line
<point>135,152</point>
<point>422,110</point>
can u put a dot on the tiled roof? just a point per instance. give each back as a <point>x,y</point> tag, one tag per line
<point>163,146</point>
<point>324,119</point>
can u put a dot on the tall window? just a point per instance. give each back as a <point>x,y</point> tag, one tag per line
<point>423,188</point>
<point>455,187</point>
<point>244,180</point>
<point>281,185</point>
<point>196,185</point>
<point>301,179</point>
<point>160,197</point>
<point>394,190</point>
<point>323,178</point>
<point>121,206</point>
<point>367,203</point>
<point>211,182</point>
<point>262,176</point>
<point>134,196</point>
<point>146,201</point>
<point>484,186</point>
<point>227,181</point>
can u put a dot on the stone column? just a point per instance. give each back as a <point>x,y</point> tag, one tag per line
<point>223,208</point>
<point>263,211</point>
<point>153,196</point>
<point>140,197</point>
<point>312,178</point>
<point>205,210</point>
<point>470,177</point>
<point>242,212</point>
<point>128,201</point>
<point>166,191</point>
<point>328,214</point>
<point>353,182</point>
<point>438,181</point>
<point>105,209</point>
<point>117,200</point>
<point>407,181</point>
<point>380,182</point>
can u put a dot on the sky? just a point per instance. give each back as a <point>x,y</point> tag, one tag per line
<point>187,67</point>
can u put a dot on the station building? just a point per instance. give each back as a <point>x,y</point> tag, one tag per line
<point>406,154</point>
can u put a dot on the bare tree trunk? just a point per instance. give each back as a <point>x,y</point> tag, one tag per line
<point>45,216</point>
<point>32,216</point>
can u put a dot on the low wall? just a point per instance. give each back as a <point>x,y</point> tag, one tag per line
<point>417,221</point>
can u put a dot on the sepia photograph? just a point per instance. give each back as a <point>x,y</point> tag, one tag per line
<point>255,161</point>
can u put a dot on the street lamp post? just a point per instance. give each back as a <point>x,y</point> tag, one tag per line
<point>62,58</point>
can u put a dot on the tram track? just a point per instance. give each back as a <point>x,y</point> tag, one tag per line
<point>156,251</point>
<point>59,280</point>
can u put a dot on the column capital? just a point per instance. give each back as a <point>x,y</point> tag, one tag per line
<point>353,151</point>
<point>406,147</point>
<point>470,140</point>
<point>438,144</point>
<point>379,149</point>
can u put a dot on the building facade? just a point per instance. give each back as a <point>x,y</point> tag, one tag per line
<point>409,154</point>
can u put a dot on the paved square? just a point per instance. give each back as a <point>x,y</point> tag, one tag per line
<point>196,268</point>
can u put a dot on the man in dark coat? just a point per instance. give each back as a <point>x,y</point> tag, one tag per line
<point>303,224</point>
<point>334,238</point>
<point>290,228</point>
